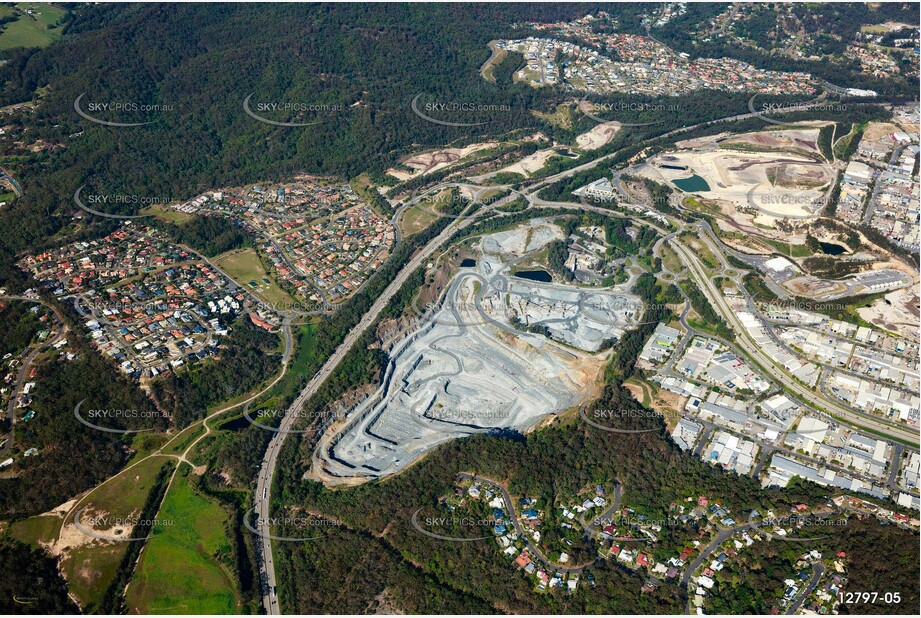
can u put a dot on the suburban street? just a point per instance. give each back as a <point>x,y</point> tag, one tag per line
<point>751,349</point>
<point>23,374</point>
<point>817,571</point>
<point>535,551</point>
<point>725,534</point>
<point>531,309</point>
<point>266,471</point>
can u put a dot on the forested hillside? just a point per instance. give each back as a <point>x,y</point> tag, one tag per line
<point>362,65</point>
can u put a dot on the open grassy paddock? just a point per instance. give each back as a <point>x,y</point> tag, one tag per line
<point>89,569</point>
<point>179,571</point>
<point>37,25</point>
<point>246,268</point>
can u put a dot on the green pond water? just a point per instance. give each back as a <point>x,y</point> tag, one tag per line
<point>692,185</point>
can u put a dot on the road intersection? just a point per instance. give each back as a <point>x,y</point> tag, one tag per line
<point>687,257</point>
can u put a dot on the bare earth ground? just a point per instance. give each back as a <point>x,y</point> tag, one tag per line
<point>666,403</point>
<point>598,136</point>
<point>530,163</point>
<point>465,359</point>
<point>876,130</point>
<point>793,182</point>
<point>900,315</point>
<point>812,287</point>
<point>426,162</point>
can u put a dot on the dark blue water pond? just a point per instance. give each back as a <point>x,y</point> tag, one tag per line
<point>535,275</point>
<point>830,248</point>
<point>235,424</point>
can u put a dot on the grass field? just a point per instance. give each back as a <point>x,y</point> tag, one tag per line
<point>562,117</point>
<point>670,259</point>
<point>164,213</point>
<point>874,29</point>
<point>91,568</point>
<point>246,268</point>
<point>788,249</point>
<point>36,30</point>
<point>145,444</point>
<point>36,530</point>
<point>125,494</point>
<point>183,439</point>
<point>702,250</point>
<point>305,355</point>
<point>415,220</point>
<point>304,362</point>
<point>178,572</point>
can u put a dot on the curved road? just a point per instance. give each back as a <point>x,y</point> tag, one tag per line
<point>521,533</point>
<point>721,538</point>
<point>817,571</point>
<point>264,480</point>
<point>26,365</point>
<point>767,364</point>
<point>266,472</point>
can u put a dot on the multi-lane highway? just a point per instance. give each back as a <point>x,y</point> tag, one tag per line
<point>747,345</point>
<point>264,481</point>
<point>266,472</point>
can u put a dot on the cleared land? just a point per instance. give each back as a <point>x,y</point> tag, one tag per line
<point>530,164</point>
<point>244,266</point>
<point>598,136</point>
<point>38,530</point>
<point>181,441</point>
<point>489,67</point>
<point>178,572</point>
<point>416,219</point>
<point>469,366</point>
<point>877,130</point>
<point>165,213</point>
<point>755,178</point>
<point>561,117</point>
<point>88,562</point>
<point>427,162</point>
<point>38,29</point>
<point>897,312</point>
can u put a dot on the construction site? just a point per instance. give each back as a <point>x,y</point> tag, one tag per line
<point>757,177</point>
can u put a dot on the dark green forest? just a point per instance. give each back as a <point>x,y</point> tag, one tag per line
<point>363,64</point>
<point>31,583</point>
<point>74,457</point>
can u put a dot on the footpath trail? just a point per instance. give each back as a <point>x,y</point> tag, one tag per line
<point>183,457</point>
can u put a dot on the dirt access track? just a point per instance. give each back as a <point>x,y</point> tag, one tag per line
<point>428,162</point>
